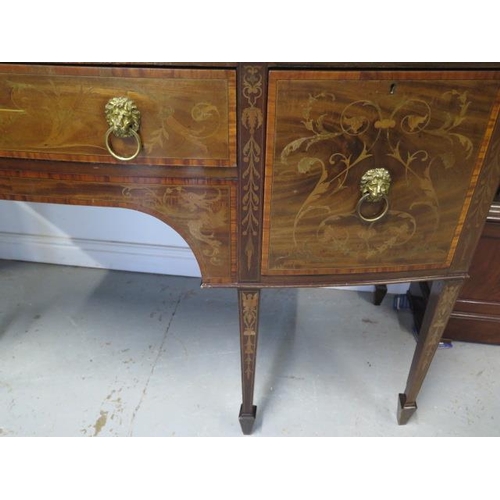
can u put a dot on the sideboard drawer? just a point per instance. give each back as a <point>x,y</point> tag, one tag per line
<point>424,133</point>
<point>187,116</point>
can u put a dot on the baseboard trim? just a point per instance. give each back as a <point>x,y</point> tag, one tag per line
<point>392,288</point>
<point>114,255</point>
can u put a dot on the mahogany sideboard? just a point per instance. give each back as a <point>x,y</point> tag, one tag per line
<point>276,175</point>
<point>476,314</point>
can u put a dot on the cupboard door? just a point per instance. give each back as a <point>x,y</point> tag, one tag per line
<point>418,139</point>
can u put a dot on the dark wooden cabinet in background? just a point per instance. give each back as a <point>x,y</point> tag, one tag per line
<point>476,315</point>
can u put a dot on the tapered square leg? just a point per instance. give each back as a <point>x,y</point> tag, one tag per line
<point>249,321</point>
<point>405,411</point>
<point>441,301</point>
<point>247,420</point>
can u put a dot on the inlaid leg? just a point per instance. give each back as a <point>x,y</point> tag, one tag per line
<point>249,324</point>
<point>439,307</point>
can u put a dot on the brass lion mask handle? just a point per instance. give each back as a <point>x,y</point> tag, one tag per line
<point>124,120</point>
<point>374,187</point>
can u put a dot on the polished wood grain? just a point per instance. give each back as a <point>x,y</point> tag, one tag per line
<point>480,205</point>
<point>300,136</point>
<point>484,284</point>
<point>476,313</point>
<point>442,298</point>
<point>251,133</point>
<point>326,129</point>
<point>202,213</point>
<point>249,302</point>
<point>188,116</point>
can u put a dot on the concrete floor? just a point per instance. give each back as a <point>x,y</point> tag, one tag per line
<point>87,352</point>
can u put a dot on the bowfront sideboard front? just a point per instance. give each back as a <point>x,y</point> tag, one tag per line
<point>276,175</point>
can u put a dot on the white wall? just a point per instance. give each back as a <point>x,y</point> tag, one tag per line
<point>108,238</point>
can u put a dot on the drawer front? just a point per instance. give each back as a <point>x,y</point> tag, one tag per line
<point>187,117</point>
<point>428,132</point>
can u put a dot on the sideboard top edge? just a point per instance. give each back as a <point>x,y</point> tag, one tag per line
<point>284,65</point>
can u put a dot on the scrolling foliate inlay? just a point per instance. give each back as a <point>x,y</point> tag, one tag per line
<point>252,120</point>
<point>56,115</point>
<point>204,211</point>
<point>249,306</point>
<point>486,188</point>
<point>421,141</point>
<point>69,119</point>
<point>199,213</point>
<point>204,124</point>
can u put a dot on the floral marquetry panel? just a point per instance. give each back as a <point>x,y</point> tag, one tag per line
<point>331,139</point>
<point>187,116</point>
<point>201,213</point>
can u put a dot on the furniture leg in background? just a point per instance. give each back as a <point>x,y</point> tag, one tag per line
<point>379,294</point>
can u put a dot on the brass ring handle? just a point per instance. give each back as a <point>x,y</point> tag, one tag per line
<point>118,157</point>
<point>366,198</point>
<point>124,119</point>
<point>374,187</point>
